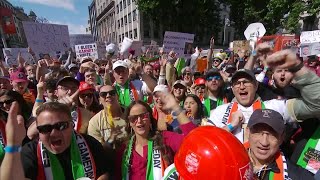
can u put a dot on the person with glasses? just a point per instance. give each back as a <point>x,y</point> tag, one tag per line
<point>107,126</point>
<point>87,98</point>
<point>199,88</point>
<point>179,91</point>
<point>214,95</point>
<point>60,152</point>
<point>187,77</point>
<point>234,116</point>
<point>266,131</point>
<point>149,151</point>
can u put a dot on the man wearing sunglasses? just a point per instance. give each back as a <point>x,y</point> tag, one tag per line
<point>107,126</point>
<point>215,96</point>
<point>234,116</point>
<point>61,153</point>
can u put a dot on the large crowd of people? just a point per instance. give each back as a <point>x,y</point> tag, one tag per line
<point>222,115</point>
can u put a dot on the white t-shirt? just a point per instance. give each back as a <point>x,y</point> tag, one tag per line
<point>140,86</point>
<point>216,115</point>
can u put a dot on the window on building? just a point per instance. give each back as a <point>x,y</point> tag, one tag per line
<point>104,5</point>
<point>113,36</point>
<point>125,20</point>
<point>121,22</point>
<point>124,4</point>
<point>135,36</point>
<point>119,38</point>
<point>122,36</point>
<point>130,34</point>
<point>134,14</point>
<point>129,17</point>
<point>146,33</point>
<point>133,0</point>
<point>117,9</point>
<point>121,6</point>
<point>129,2</point>
<point>118,23</point>
<point>126,34</point>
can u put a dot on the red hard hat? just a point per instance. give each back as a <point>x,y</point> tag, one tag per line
<point>212,153</point>
<point>85,86</point>
<point>200,81</point>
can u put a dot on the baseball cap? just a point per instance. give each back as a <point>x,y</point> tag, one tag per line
<point>85,86</point>
<point>243,73</point>
<point>213,72</point>
<point>18,77</point>
<point>180,82</point>
<point>199,81</point>
<point>230,67</point>
<point>257,70</point>
<point>161,88</point>
<point>5,77</point>
<point>156,66</point>
<point>119,63</point>
<point>72,66</point>
<point>268,116</point>
<point>68,78</point>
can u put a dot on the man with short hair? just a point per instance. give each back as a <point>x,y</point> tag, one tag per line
<point>61,153</point>
<point>244,87</point>
<point>266,129</point>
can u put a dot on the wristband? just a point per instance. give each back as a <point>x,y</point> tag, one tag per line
<point>39,100</point>
<point>177,112</point>
<point>296,68</point>
<point>254,53</point>
<point>12,149</point>
<point>230,127</point>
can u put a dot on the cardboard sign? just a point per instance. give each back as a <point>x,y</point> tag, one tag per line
<point>279,43</point>
<point>307,37</point>
<point>11,55</point>
<point>90,50</point>
<point>76,39</point>
<point>181,43</point>
<point>310,49</point>
<point>241,45</point>
<point>46,38</point>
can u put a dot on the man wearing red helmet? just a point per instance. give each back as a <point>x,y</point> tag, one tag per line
<point>266,129</point>
<point>199,87</point>
<point>234,116</point>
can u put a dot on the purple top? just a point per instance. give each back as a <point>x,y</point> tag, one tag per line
<point>80,76</point>
<point>139,164</point>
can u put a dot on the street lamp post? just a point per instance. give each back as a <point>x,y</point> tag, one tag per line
<point>226,23</point>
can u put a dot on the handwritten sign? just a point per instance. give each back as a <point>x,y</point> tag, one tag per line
<point>241,45</point>
<point>11,55</point>
<point>310,37</point>
<point>80,39</point>
<point>46,38</point>
<point>90,50</point>
<point>181,43</point>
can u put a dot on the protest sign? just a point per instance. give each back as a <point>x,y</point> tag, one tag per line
<point>307,37</point>
<point>11,55</point>
<point>281,42</point>
<point>90,50</point>
<point>101,48</point>
<point>241,45</point>
<point>181,43</point>
<point>136,46</point>
<point>309,49</point>
<point>46,38</point>
<point>76,39</point>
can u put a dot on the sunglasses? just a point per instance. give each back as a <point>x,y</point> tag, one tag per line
<point>90,95</point>
<point>210,78</point>
<point>60,126</point>
<point>200,87</point>
<point>111,93</point>
<point>134,118</point>
<point>9,101</point>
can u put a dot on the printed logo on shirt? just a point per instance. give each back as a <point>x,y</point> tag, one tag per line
<point>85,158</point>
<point>227,114</point>
<point>156,158</point>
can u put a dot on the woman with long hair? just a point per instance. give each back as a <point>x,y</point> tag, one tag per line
<point>88,99</point>
<point>148,150</point>
<point>194,109</point>
<point>179,91</point>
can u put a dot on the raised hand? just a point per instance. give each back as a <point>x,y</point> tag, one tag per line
<point>20,59</point>
<point>212,42</point>
<point>283,59</point>
<point>70,100</point>
<point>15,130</point>
<point>237,119</point>
<point>169,101</point>
<point>41,86</point>
<point>30,51</point>
<point>42,63</point>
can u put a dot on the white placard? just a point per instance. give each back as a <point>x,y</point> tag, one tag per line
<point>310,37</point>
<point>309,49</point>
<point>90,50</point>
<point>46,38</point>
<point>181,43</point>
<point>80,39</point>
<point>11,55</point>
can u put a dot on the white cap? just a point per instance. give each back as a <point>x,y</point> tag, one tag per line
<point>119,63</point>
<point>85,58</point>
<point>161,88</point>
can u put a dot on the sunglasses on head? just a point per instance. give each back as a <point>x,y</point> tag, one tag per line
<point>134,118</point>
<point>8,101</point>
<point>111,93</point>
<point>89,95</point>
<point>60,126</point>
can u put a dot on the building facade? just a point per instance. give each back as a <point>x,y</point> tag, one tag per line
<point>92,20</point>
<point>106,26</point>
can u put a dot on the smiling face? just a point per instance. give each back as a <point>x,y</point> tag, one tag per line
<point>148,69</point>
<point>282,77</point>
<point>179,91</point>
<point>157,100</point>
<point>264,142</point>
<point>139,119</point>
<point>55,141</point>
<point>121,75</point>
<point>108,96</point>
<point>244,89</point>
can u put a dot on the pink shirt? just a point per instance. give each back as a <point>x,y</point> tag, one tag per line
<point>139,163</point>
